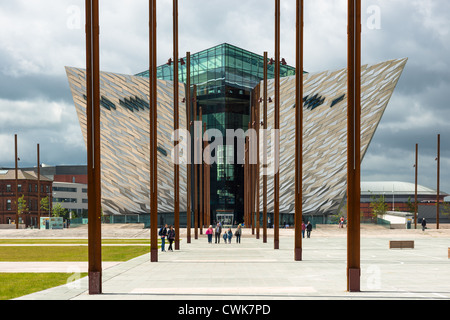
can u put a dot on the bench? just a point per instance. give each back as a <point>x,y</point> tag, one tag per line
<point>401,244</point>
<point>449,253</point>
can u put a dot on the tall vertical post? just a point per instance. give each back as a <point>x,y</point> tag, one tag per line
<point>176,125</point>
<point>93,146</point>
<point>354,145</point>
<point>153,135</point>
<point>438,178</point>
<point>265,149</point>
<point>196,159</point>
<point>257,184</point>
<point>299,132</point>
<point>205,180</point>
<point>17,181</point>
<point>416,167</point>
<point>188,167</point>
<point>39,187</point>
<point>276,218</point>
<point>200,203</point>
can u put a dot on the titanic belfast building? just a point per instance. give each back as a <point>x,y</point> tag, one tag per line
<point>228,82</point>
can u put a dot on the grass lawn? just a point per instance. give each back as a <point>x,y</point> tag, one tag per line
<point>73,241</point>
<point>69,253</point>
<point>14,285</point>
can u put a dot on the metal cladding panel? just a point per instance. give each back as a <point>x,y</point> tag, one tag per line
<point>125,141</point>
<point>325,133</point>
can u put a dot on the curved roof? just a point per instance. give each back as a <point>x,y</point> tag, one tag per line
<point>396,187</point>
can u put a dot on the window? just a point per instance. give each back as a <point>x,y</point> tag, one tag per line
<point>8,188</point>
<point>8,205</point>
<point>19,187</point>
<point>30,188</point>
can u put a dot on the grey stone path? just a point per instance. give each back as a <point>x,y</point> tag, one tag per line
<point>253,270</point>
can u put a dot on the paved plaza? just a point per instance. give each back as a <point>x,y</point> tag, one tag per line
<point>253,270</point>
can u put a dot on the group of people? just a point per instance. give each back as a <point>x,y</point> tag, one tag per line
<point>169,233</point>
<point>228,235</point>
<point>308,228</point>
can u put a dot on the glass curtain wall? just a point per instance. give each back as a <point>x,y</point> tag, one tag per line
<point>225,77</point>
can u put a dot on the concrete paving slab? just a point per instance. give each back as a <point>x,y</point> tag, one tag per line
<point>253,270</point>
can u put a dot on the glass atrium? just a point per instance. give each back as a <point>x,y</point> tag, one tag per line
<point>225,76</point>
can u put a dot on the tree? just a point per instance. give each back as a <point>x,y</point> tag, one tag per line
<point>45,206</point>
<point>59,211</point>
<point>379,206</point>
<point>411,205</point>
<point>22,206</point>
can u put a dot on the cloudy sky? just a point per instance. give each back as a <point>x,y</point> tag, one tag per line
<point>39,38</point>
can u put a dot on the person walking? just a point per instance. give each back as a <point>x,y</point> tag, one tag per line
<point>238,233</point>
<point>229,235</point>
<point>171,237</point>
<point>424,224</point>
<point>308,229</point>
<point>163,235</point>
<point>303,229</point>
<point>209,232</point>
<point>217,232</point>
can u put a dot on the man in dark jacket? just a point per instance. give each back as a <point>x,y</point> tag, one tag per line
<point>163,235</point>
<point>217,232</point>
<point>424,224</point>
<point>308,229</point>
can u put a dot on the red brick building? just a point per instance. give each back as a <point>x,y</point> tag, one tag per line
<point>27,185</point>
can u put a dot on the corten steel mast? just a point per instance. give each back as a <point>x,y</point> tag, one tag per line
<point>196,157</point>
<point>153,135</point>
<point>299,133</point>
<point>265,151</point>
<point>176,125</point>
<point>257,122</point>
<point>17,182</point>
<point>200,203</point>
<point>354,145</point>
<point>276,218</point>
<point>416,166</point>
<point>188,123</point>
<point>93,146</point>
<point>39,187</point>
<point>438,159</point>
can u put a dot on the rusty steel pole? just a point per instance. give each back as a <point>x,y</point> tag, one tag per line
<point>196,157</point>
<point>438,159</point>
<point>265,150</point>
<point>176,125</point>
<point>93,146</point>
<point>354,145</point>
<point>257,185</point>
<point>200,203</point>
<point>17,181</point>
<point>416,167</point>
<point>276,204</point>
<point>39,186</point>
<point>188,166</point>
<point>298,132</point>
<point>153,134</point>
